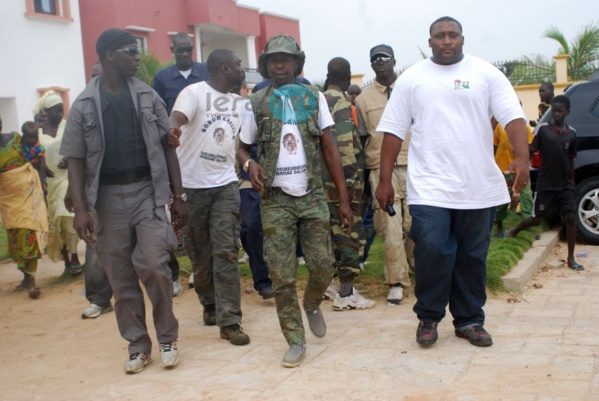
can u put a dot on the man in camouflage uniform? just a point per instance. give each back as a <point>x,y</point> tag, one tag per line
<point>347,246</point>
<point>289,177</point>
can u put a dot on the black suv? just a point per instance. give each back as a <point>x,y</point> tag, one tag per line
<point>584,118</point>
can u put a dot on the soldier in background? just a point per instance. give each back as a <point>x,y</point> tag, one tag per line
<point>346,246</point>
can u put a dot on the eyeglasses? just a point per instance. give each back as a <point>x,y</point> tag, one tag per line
<point>181,50</point>
<point>380,59</point>
<point>132,51</point>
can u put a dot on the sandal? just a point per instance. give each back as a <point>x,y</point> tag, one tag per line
<point>576,266</point>
<point>34,292</point>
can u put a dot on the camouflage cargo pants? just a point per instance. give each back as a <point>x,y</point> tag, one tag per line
<point>347,247</point>
<point>285,219</point>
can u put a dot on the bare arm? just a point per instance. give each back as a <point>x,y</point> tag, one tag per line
<point>256,172</point>
<point>389,150</point>
<point>83,222</point>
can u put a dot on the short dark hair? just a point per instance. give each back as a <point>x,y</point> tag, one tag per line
<point>445,19</point>
<point>181,36</point>
<point>548,85</point>
<point>29,126</point>
<point>217,58</point>
<point>562,100</point>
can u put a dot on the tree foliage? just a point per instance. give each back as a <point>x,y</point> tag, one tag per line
<point>149,65</point>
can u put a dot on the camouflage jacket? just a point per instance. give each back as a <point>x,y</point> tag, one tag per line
<point>346,139</point>
<point>267,105</point>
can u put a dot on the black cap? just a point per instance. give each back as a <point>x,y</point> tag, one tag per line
<point>383,50</point>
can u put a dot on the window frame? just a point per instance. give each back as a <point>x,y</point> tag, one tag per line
<point>62,10</point>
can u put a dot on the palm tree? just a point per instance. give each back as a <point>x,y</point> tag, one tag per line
<point>149,65</point>
<point>583,51</point>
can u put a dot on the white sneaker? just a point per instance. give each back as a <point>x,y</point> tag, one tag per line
<point>137,362</point>
<point>354,301</point>
<point>169,354</point>
<point>332,291</point>
<point>190,281</point>
<point>93,311</point>
<point>301,261</point>
<point>395,295</point>
<point>244,259</point>
<point>177,288</point>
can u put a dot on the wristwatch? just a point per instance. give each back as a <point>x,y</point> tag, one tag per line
<point>182,197</point>
<point>246,165</point>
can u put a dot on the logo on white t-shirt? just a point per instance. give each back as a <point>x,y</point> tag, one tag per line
<point>459,84</point>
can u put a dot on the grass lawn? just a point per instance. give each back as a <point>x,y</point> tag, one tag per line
<point>503,255</point>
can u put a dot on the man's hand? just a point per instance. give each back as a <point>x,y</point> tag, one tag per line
<point>384,194</point>
<point>173,139</point>
<point>257,176</point>
<point>346,216</point>
<point>84,225</point>
<point>520,168</point>
<point>49,173</point>
<point>179,209</point>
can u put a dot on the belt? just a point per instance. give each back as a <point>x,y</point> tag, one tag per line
<point>125,178</point>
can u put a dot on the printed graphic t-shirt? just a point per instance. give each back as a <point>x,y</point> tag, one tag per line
<point>207,151</point>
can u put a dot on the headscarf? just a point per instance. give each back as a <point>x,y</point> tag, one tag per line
<point>49,99</point>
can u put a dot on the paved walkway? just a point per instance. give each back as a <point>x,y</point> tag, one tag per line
<point>545,348</point>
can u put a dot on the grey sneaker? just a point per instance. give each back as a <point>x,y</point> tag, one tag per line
<point>354,301</point>
<point>177,288</point>
<point>332,290</point>
<point>294,356</point>
<point>316,322</point>
<point>93,311</point>
<point>169,354</point>
<point>137,362</point>
<point>234,333</point>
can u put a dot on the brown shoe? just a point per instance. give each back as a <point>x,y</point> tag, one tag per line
<point>234,334</point>
<point>210,315</point>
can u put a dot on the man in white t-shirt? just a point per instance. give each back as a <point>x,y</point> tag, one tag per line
<point>454,184</point>
<point>291,128</point>
<point>207,118</point>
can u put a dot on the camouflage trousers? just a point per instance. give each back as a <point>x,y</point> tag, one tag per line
<point>390,229</point>
<point>211,240</point>
<point>285,219</point>
<point>347,247</point>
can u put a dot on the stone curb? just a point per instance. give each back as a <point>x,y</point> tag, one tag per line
<point>521,274</point>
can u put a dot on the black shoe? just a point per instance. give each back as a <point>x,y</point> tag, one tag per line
<point>427,333</point>
<point>476,334</point>
<point>267,292</point>
<point>210,315</point>
<point>234,334</point>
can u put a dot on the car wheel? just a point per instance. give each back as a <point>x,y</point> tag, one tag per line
<point>586,195</point>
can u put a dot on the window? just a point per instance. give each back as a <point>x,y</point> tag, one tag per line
<point>58,10</point>
<point>142,44</point>
<point>45,6</point>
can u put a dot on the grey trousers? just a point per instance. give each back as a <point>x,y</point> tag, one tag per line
<point>212,243</point>
<point>97,287</point>
<point>134,240</point>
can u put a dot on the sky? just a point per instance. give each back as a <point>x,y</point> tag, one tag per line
<point>493,30</point>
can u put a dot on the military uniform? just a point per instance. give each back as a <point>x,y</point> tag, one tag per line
<point>348,247</point>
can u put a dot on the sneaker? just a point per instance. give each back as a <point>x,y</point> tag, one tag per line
<point>137,362</point>
<point>267,292</point>
<point>354,301</point>
<point>190,281</point>
<point>93,311</point>
<point>209,315</point>
<point>301,261</point>
<point>244,259</point>
<point>177,288</point>
<point>169,354</point>
<point>234,334</point>
<point>427,333</point>
<point>395,295</point>
<point>316,322</point>
<point>476,334</point>
<point>332,290</point>
<point>294,356</point>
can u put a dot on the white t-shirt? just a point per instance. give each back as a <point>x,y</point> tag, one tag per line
<point>449,108</point>
<point>291,171</point>
<point>207,151</point>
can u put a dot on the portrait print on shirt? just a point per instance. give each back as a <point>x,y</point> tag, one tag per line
<point>290,143</point>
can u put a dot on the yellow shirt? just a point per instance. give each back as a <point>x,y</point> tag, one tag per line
<point>504,154</point>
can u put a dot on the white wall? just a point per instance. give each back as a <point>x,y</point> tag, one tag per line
<point>37,53</point>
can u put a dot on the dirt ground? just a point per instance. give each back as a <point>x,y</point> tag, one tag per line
<point>50,353</point>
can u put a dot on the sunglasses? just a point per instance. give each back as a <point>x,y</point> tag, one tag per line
<point>380,59</point>
<point>132,51</point>
<point>181,50</point>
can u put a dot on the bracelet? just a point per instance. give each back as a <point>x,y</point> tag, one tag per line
<point>246,165</point>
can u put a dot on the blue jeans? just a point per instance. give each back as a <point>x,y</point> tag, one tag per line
<point>450,254</point>
<point>252,237</point>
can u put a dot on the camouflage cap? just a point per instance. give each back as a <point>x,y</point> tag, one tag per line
<point>281,44</point>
